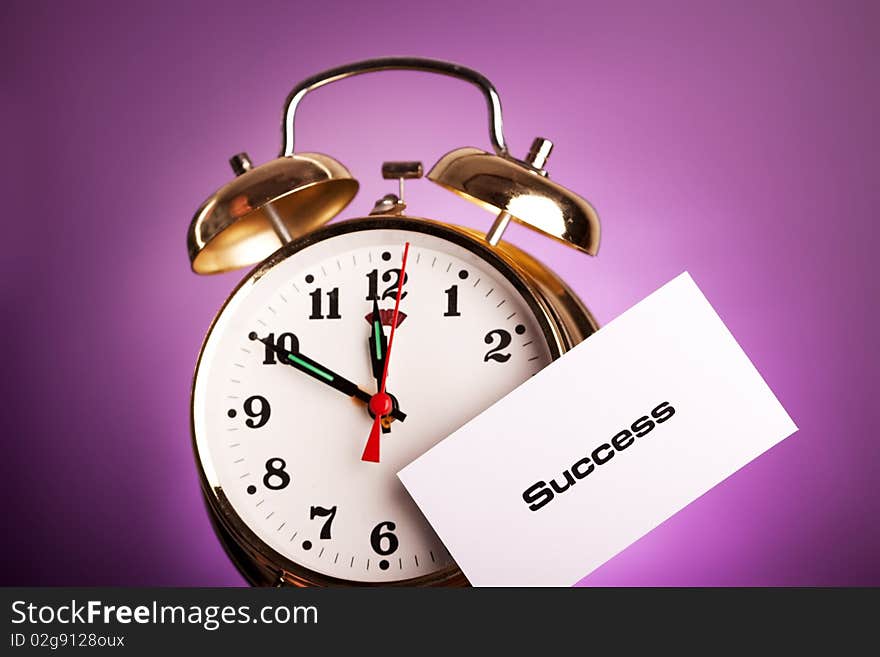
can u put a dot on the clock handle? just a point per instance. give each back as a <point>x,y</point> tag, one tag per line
<point>493,101</point>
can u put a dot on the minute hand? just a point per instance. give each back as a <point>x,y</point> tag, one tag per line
<point>378,345</point>
<point>324,374</point>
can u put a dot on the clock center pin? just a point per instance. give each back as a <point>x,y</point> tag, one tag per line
<point>380,403</point>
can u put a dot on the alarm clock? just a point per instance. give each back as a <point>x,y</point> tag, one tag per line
<point>352,348</point>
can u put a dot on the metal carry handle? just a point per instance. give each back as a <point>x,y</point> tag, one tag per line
<point>493,101</point>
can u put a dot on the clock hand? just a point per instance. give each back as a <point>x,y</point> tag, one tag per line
<point>317,371</point>
<point>381,403</point>
<point>325,375</point>
<point>378,345</point>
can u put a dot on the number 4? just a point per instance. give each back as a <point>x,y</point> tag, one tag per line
<point>320,511</point>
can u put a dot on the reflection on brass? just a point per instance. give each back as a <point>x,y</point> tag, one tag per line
<point>501,184</point>
<point>234,227</point>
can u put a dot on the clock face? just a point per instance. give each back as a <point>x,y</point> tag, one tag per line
<point>278,424</point>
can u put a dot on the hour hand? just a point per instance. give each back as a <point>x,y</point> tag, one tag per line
<point>324,374</point>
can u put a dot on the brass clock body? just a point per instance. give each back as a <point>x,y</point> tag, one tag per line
<point>273,216</point>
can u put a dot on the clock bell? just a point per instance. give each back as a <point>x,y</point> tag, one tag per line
<point>268,206</point>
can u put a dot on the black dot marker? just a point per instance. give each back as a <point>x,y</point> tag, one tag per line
<point>231,412</point>
<point>251,489</point>
<point>310,279</point>
<point>520,329</point>
<point>307,545</point>
<point>252,335</point>
<point>383,564</point>
<point>386,256</point>
<point>462,274</point>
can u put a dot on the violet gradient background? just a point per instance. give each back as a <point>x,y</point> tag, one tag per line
<point>737,140</point>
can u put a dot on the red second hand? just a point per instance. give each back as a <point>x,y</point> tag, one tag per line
<point>381,403</point>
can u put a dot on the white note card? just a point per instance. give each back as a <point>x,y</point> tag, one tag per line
<point>600,447</point>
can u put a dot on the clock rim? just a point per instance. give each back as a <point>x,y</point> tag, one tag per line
<point>237,538</point>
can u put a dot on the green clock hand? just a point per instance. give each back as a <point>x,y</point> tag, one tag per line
<point>378,344</point>
<point>324,375</point>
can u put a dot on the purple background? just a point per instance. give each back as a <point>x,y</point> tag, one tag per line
<point>735,140</point>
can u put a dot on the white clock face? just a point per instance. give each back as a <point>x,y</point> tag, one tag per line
<point>276,426</point>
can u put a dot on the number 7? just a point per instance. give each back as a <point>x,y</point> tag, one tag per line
<point>320,511</point>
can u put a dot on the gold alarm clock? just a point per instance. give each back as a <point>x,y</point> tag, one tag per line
<point>351,349</point>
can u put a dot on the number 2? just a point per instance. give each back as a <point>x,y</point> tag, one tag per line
<point>503,342</point>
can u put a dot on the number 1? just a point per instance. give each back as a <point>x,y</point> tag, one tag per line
<point>452,302</point>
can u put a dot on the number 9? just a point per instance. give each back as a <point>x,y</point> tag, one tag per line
<point>257,407</point>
